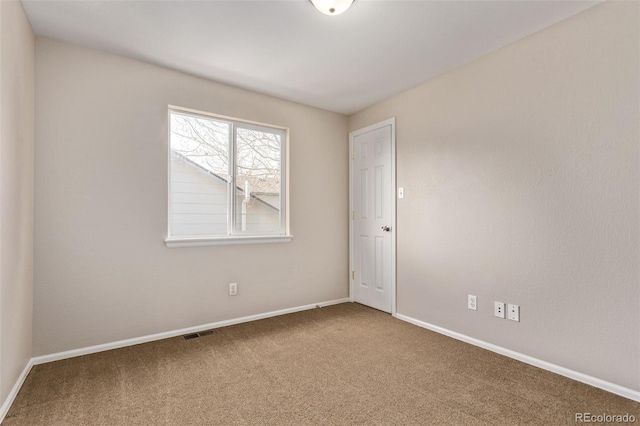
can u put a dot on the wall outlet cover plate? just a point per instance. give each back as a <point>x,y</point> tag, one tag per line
<point>513,312</point>
<point>472,302</point>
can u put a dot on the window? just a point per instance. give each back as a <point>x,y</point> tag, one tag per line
<point>227,180</point>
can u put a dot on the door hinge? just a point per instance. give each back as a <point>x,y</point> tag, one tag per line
<point>353,214</point>
<point>353,155</point>
<point>353,275</point>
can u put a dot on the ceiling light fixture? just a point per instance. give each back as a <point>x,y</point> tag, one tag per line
<point>332,7</point>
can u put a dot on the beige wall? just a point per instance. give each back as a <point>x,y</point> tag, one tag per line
<point>16,192</point>
<point>103,272</point>
<point>521,185</point>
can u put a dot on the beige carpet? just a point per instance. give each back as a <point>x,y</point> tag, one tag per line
<point>340,365</point>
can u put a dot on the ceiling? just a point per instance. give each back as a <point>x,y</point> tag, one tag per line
<point>289,50</point>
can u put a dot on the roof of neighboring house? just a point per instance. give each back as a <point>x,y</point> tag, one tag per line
<point>223,181</point>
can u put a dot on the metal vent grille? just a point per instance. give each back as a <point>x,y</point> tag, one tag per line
<point>196,335</point>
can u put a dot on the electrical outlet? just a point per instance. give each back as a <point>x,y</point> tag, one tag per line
<point>472,302</point>
<point>233,289</point>
<point>499,309</point>
<point>513,312</point>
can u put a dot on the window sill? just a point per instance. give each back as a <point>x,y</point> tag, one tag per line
<point>173,242</point>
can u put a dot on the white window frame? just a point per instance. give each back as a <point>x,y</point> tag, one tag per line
<point>233,237</point>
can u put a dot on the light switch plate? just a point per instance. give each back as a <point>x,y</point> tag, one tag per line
<point>400,192</point>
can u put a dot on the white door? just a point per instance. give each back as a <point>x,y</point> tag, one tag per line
<point>373,216</point>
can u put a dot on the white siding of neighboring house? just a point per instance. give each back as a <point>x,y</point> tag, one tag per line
<point>199,205</point>
<point>261,218</point>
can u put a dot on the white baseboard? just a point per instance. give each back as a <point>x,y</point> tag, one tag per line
<point>168,334</point>
<point>14,391</point>
<point>575,375</point>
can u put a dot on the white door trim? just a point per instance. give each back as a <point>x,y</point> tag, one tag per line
<point>392,122</point>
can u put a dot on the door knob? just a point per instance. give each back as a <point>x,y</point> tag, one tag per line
<point>386,228</point>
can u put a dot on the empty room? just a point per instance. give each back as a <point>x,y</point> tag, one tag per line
<point>319,212</point>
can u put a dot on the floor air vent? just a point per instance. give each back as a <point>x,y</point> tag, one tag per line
<point>195,335</point>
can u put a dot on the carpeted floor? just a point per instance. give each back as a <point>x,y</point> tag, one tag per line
<point>339,365</point>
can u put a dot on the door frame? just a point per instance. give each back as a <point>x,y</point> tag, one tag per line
<point>392,122</point>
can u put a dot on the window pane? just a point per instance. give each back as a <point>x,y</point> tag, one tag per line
<point>258,181</point>
<point>199,175</point>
